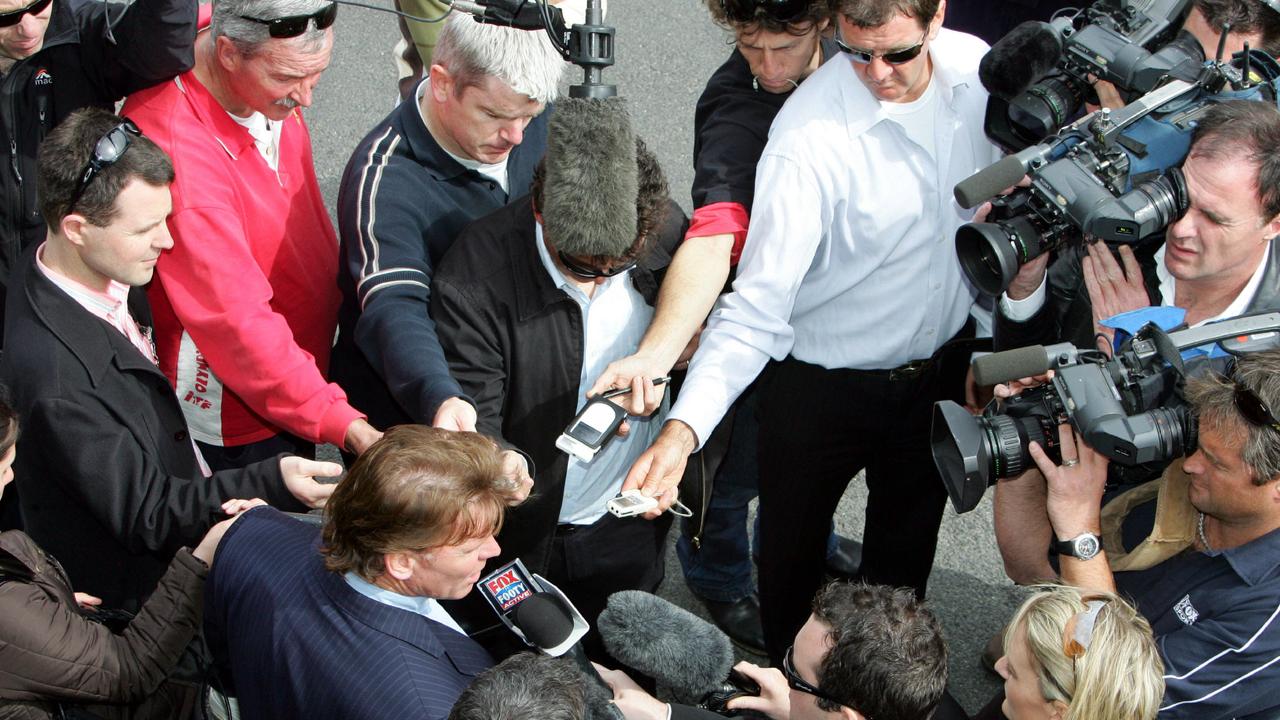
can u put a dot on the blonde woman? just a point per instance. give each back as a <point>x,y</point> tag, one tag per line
<point>1075,654</point>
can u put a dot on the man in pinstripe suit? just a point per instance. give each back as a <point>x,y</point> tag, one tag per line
<point>344,624</point>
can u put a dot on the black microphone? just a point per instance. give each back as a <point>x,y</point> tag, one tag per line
<point>520,14</point>
<point>1020,363</point>
<point>1029,52</point>
<point>547,624</point>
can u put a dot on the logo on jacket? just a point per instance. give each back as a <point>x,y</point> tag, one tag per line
<point>42,77</point>
<point>1185,611</point>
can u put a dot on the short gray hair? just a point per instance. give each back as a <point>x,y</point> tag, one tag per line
<point>523,59</point>
<point>525,685</point>
<point>1213,397</point>
<point>249,36</point>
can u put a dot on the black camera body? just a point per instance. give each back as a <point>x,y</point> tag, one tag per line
<point>1134,46</point>
<point>738,685</point>
<point>1110,175</point>
<point>1129,408</point>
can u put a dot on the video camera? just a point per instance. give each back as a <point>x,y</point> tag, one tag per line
<point>1129,408</point>
<point>1110,175</point>
<point>1038,74</point>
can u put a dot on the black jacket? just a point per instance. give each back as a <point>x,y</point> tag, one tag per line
<point>107,477</point>
<point>78,66</point>
<point>1067,314</point>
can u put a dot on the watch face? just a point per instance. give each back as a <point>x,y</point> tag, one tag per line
<point>1086,546</point>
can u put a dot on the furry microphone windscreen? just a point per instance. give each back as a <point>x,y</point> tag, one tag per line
<point>589,195</point>
<point>1029,52</point>
<point>669,644</point>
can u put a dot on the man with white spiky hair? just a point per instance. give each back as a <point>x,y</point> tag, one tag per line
<point>468,142</point>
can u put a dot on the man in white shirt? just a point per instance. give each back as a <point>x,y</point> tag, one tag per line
<point>850,284</point>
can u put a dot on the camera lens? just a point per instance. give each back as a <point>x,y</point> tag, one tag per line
<point>991,253</point>
<point>1045,107</point>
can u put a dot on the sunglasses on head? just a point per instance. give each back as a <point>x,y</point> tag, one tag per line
<point>897,57</point>
<point>13,17</point>
<point>107,152</point>
<point>782,11</point>
<point>295,25</point>
<point>1252,407</point>
<point>590,273</point>
<point>797,683</point>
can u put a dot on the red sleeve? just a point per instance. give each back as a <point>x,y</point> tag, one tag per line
<point>720,219</point>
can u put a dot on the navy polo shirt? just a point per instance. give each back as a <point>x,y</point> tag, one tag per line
<point>1216,619</point>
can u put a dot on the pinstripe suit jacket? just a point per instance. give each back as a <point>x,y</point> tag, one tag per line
<point>295,641</point>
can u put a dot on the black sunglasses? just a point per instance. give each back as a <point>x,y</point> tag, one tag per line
<point>782,11</point>
<point>13,17</point>
<point>897,57</point>
<point>590,273</point>
<point>110,148</point>
<point>797,683</point>
<point>295,25</point>
<point>1253,408</point>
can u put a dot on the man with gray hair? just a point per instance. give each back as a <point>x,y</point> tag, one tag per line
<point>531,303</point>
<point>525,685</point>
<point>467,143</point>
<point>245,304</point>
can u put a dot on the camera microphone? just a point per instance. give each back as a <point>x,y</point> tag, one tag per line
<point>1021,363</point>
<point>519,14</point>
<point>1029,52</point>
<point>669,644</point>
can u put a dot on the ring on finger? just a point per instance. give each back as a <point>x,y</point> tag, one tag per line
<point>1070,463</point>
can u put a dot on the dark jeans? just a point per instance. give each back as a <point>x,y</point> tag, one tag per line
<point>218,457</point>
<point>591,562</point>
<point>818,428</point>
<point>719,568</point>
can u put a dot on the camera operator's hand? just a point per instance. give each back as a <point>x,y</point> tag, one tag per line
<point>774,699</point>
<point>1113,289</point>
<point>1075,487</point>
<point>1030,277</point>
<point>300,477</point>
<point>631,699</point>
<point>1108,95</point>
<point>637,372</point>
<point>1004,391</point>
<point>657,472</point>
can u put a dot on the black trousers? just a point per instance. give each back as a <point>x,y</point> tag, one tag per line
<point>219,457</point>
<point>591,562</point>
<point>818,428</point>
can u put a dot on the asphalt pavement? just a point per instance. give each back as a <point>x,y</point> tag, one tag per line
<point>666,50</point>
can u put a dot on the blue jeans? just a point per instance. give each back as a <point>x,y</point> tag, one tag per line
<point>720,568</point>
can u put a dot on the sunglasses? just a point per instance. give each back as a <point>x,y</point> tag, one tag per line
<point>897,57</point>
<point>13,17</point>
<point>781,11</point>
<point>110,148</point>
<point>295,25</point>
<point>590,273</point>
<point>1253,408</point>
<point>797,683</point>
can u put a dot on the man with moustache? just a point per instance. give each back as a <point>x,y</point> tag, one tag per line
<point>245,303</point>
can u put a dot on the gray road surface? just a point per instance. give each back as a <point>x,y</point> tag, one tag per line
<point>666,50</point>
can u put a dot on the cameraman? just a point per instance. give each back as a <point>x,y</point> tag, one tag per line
<point>1218,261</point>
<point>867,651</point>
<point>1214,607</point>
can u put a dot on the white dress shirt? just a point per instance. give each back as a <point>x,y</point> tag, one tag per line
<point>850,258</point>
<point>614,319</point>
<point>424,606</point>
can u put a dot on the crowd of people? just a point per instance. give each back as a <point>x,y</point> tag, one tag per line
<point>183,324</point>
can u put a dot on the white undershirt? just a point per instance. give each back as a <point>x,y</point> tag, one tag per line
<point>266,136</point>
<point>919,118</point>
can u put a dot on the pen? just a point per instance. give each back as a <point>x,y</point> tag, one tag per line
<point>623,391</point>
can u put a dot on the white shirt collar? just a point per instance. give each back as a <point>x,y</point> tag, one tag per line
<point>1237,306</point>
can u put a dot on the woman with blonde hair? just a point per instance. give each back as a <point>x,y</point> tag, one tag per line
<point>1073,654</point>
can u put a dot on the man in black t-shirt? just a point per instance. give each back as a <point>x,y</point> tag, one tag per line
<point>777,45</point>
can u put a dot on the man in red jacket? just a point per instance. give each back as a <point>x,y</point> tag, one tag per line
<point>245,303</point>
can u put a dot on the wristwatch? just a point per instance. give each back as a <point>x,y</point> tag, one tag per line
<point>1084,546</point>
